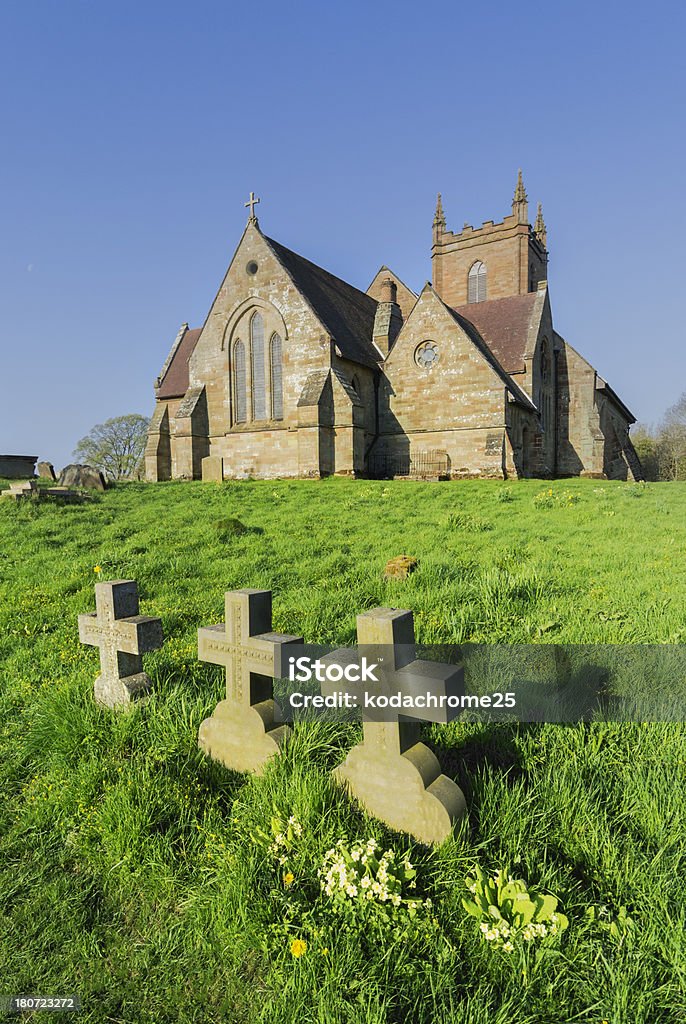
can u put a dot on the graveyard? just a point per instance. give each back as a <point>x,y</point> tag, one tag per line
<point>140,872</point>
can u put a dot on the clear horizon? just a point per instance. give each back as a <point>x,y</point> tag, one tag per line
<point>135,134</point>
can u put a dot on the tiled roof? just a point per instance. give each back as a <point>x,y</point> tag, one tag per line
<point>175,381</point>
<point>504,326</point>
<point>514,388</point>
<point>345,311</point>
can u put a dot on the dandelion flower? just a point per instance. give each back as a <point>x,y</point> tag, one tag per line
<point>97,568</point>
<point>298,947</point>
<point>288,878</point>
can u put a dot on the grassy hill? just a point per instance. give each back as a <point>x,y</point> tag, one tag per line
<point>141,876</point>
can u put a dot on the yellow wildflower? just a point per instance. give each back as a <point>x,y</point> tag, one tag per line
<point>325,951</point>
<point>298,947</point>
<point>97,568</point>
<point>288,878</point>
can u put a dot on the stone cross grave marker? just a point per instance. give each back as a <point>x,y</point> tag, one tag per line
<point>392,774</point>
<point>122,636</point>
<point>245,730</point>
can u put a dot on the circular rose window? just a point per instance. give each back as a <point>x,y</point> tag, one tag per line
<point>426,355</point>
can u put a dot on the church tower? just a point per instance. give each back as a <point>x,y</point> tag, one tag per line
<point>493,261</point>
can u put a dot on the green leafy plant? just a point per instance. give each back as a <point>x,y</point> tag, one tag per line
<point>510,915</point>
<point>618,926</point>
<point>367,887</point>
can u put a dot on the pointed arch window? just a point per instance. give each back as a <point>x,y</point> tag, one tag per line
<point>275,356</point>
<point>259,403</point>
<point>239,386</point>
<point>476,291</point>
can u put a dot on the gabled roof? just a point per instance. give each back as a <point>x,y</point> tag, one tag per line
<point>175,380</point>
<point>345,311</point>
<point>600,383</point>
<point>504,325</point>
<point>406,296</point>
<point>475,337</point>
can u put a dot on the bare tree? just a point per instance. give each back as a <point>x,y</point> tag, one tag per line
<point>115,446</point>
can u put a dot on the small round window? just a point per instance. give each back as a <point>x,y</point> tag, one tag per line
<point>426,355</point>
<point>252,267</point>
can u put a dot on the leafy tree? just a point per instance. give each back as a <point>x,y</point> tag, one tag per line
<point>645,442</point>
<point>672,441</point>
<point>115,446</point>
<point>662,449</point>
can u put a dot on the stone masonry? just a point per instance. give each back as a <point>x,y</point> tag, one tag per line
<point>297,373</point>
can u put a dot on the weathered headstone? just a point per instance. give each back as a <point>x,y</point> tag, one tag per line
<point>20,489</point>
<point>46,471</point>
<point>245,729</point>
<point>76,475</point>
<point>122,636</point>
<point>213,469</point>
<point>392,774</point>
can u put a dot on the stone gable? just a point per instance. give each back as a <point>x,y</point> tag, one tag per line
<point>296,373</point>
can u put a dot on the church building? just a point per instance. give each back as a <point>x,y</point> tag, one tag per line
<point>296,373</point>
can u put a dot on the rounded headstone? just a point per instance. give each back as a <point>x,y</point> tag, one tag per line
<point>46,471</point>
<point>76,475</point>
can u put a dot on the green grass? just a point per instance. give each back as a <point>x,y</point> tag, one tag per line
<point>129,868</point>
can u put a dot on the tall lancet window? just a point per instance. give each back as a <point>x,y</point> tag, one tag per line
<point>259,401</point>
<point>239,389</point>
<point>477,283</point>
<point>277,377</point>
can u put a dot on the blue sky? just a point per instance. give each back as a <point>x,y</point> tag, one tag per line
<point>133,133</point>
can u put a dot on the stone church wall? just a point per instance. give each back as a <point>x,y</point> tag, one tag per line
<point>580,440</point>
<point>461,396</point>
<point>258,453</point>
<point>268,448</point>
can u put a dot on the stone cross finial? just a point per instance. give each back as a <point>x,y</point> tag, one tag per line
<point>245,729</point>
<point>252,203</point>
<point>393,775</point>
<point>122,636</point>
